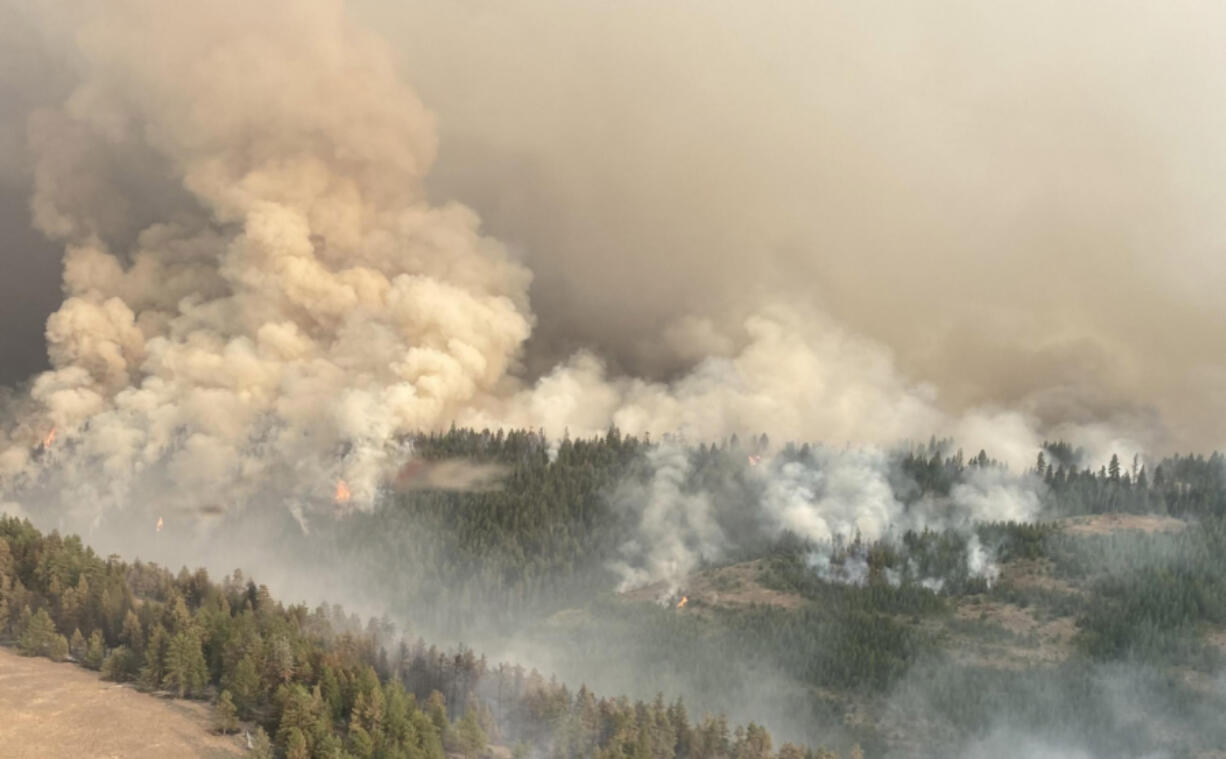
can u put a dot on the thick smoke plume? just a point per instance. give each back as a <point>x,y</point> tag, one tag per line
<point>260,296</point>
<point>847,222</point>
<point>300,306</point>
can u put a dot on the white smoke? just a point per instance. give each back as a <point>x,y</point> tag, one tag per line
<point>980,563</point>
<point>845,494</point>
<point>796,375</point>
<point>676,529</point>
<point>839,500</point>
<point>852,570</point>
<point>993,494</point>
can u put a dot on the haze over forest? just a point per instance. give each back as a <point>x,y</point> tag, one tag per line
<point>597,307</point>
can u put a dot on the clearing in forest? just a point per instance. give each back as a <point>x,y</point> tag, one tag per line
<point>61,711</point>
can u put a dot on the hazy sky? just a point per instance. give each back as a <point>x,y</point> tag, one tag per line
<point>1019,200</point>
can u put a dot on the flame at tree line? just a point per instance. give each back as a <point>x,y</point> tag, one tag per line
<point>342,492</point>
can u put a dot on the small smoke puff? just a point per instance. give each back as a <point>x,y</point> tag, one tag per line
<point>455,475</point>
<point>979,563</point>
<point>852,570</point>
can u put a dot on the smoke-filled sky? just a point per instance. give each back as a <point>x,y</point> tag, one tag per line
<point>309,227</point>
<point>1021,200</point>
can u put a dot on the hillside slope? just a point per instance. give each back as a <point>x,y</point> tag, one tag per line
<point>54,711</point>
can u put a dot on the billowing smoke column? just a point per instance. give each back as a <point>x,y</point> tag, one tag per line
<point>301,305</point>
<point>285,305</point>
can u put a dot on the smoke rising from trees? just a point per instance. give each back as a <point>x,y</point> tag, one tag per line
<point>256,276</point>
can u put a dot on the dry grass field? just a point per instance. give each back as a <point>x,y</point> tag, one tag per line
<point>61,711</point>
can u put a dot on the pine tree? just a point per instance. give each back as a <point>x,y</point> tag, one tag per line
<point>38,635</point>
<point>436,707</point>
<point>281,659</point>
<point>95,653</point>
<point>120,665</point>
<point>261,745</point>
<point>469,733</point>
<point>154,670</point>
<point>226,716</point>
<point>76,645</point>
<point>57,649</point>
<point>296,745</point>
<point>791,751</point>
<point>132,634</point>
<point>361,745</point>
<point>186,671</point>
<point>244,684</point>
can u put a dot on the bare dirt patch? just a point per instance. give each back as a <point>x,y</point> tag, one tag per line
<point>1006,636</point>
<point>1216,637</point>
<point>1038,574</point>
<point>733,586</point>
<point>60,711</point>
<point>1102,524</point>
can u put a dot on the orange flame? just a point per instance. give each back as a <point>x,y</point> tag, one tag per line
<point>49,439</point>
<point>755,460</point>
<point>160,524</point>
<point>342,492</point>
<point>684,600</point>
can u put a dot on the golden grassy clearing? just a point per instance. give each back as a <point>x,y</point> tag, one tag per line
<point>61,711</point>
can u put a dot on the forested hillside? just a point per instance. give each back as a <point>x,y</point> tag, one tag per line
<point>536,556</point>
<point>318,683</point>
<point>1097,623</point>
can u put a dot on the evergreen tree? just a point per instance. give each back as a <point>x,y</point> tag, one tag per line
<point>154,670</point>
<point>244,683</point>
<point>95,652</point>
<point>132,636</point>
<point>77,645</point>
<point>185,671</point>
<point>225,715</point>
<point>296,745</point>
<point>469,733</point>
<point>120,665</point>
<point>37,635</point>
<point>57,650</point>
<point>261,745</point>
